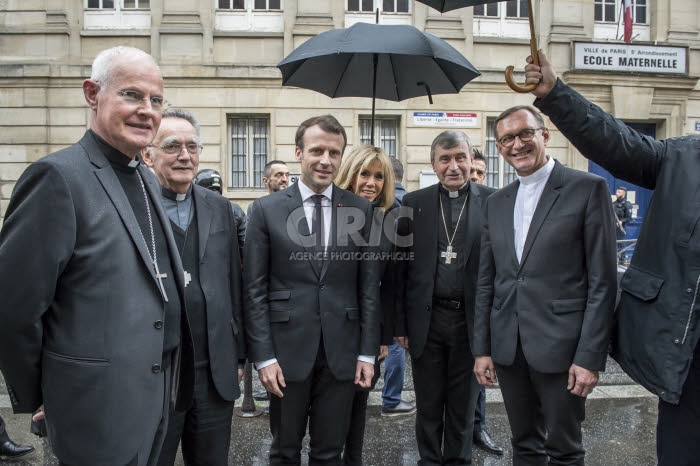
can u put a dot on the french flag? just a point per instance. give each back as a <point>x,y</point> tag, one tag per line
<point>627,4</point>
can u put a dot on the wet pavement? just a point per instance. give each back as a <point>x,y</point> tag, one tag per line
<point>619,430</point>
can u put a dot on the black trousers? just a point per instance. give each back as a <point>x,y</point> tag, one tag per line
<point>3,432</point>
<point>446,390</point>
<point>545,419</point>
<point>204,429</point>
<point>352,453</point>
<point>480,411</point>
<point>322,401</point>
<point>678,427</point>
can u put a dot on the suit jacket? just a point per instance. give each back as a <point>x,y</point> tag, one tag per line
<point>559,299</point>
<point>221,280</point>
<point>290,304</point>
<point>655,334</point>
<point>79,305</point>
<point>415,287</point>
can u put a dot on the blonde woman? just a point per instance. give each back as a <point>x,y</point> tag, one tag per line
<point>367,172</point>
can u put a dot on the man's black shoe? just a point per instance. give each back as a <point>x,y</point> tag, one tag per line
<point>261,396</point>
<point>10,449</point>
<point>484,441</point>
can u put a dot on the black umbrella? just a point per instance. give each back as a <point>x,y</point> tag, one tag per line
<point>391,62</point>
<point>449,5</point>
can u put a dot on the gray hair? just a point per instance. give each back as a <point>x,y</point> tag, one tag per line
<point>448,139</point>
<point>186,115</point>
<point>103,64</point>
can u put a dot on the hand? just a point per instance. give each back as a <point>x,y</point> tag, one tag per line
<point>383,352</point>
<point>272,379</point>
<point>39,415</point>
<point>364,374</point>
<point>240,375</point>
<point>543,75</point>
<point>484,371</point>
<point>402,341</point>
<point>581,381</point>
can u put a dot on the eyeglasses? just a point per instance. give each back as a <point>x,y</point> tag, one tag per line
<point>137,99</point>
<point>175,148</point>
<point>525,135</point>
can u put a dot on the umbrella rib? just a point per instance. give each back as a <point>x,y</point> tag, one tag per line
<point>342,75</point>
<point>393,72</point>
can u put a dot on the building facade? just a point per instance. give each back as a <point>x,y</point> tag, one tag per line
<point>219,58</point>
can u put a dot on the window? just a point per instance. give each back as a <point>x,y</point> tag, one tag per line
<point>503,19</point>
<point>249,15</point>
<point>386,132</point>
<point>385,6</point>
<point>608,15</point>
<point>256,4</point>
<point>117,14</point>
<point>498,172</point>
<point>249,148</point>
<point>513,9</point>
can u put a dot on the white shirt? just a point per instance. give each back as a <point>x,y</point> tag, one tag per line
<point>527,198</point>
<point>309,206</point>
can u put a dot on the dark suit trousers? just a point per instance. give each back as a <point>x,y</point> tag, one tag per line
<point>322,400</point>
<point>480,411</point>
<point>678,428</point>
<point>446,390</point>
<point>545,419</point>
<point>205,428</point>
<point>352,453</point>
<point>3,432</point>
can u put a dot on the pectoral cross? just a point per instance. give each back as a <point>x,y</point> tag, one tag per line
<point>188,278</point>
<point>160,277</point>
<point>448,255</point>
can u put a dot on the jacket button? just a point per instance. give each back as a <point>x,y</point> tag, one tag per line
<point>323,286</point>
<point>158,324</point>
<point>155,368</point>
<point>688,290</point>
<point>521,279</point>
<point>676,341</point>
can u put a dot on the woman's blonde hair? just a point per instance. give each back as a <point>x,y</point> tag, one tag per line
<point>359,159</point>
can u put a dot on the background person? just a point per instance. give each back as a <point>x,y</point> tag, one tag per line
<point>367,172</point>
<point>205,232</point>
<point>655,339</point>
<point>395,365</point>
<point>547,283</point>
<point>97,329</point>
<point>623,214</point>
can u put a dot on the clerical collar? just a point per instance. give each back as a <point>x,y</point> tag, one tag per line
<point>116,159</point>
<point>167,193</point>
<point>453,194</point>
<point>541,173</point>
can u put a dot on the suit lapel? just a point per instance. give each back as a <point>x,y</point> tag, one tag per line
<point>204,218</point>
<point>106,176</point>
<point>338,195</point>
<point>426,223</point>
<point>473,220</point>
<point>544,206</point>
<point>154,191</point>
<point>505,221</point>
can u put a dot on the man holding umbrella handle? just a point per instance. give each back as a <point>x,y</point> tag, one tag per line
<point>655,338</point>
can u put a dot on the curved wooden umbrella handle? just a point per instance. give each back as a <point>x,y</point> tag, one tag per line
<point>535,57</point>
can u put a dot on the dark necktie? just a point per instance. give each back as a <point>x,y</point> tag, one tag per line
<point>317,225</point>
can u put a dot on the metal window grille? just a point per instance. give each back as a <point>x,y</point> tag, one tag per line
<point>498,172</point>
<point>249,149</point>
<point>386,132</point>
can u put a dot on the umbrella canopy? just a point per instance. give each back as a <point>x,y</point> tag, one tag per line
<point>449,5</point>
<point>390,62</point>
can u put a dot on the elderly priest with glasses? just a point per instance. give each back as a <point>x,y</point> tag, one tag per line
<point>91,281</point>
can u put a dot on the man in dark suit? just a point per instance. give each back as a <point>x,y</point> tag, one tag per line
<point>547,283</point>
<point>312,305</point>
<point>655,337</point>
<point>91,280</point>
<point>435,306</point>
<point>205,232</point>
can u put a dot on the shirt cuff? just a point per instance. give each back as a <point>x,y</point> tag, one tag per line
<point>261,364</point>
<point>369,359</point>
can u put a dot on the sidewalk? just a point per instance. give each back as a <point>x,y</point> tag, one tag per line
<point>619,430</point>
